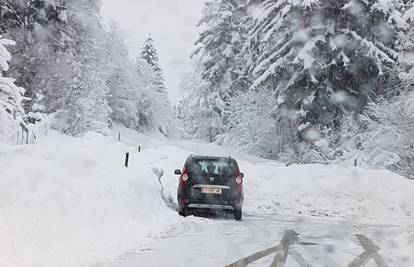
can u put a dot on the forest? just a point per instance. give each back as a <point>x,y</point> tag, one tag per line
<point>312,81</point>
<point>74,66</point>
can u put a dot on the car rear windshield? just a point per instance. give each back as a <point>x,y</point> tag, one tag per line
<point>217,167</point>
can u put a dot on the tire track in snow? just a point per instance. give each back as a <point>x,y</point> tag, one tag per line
<point>228,235</point>
<point>255,233</point>
<point>178,230</point>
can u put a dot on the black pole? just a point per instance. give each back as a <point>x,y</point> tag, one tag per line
<point>355,162</point>
<point>119,137</point>
<point>126,160</point>
<point>139,148</point>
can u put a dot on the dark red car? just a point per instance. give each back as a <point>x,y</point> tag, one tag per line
<point>210,183</point>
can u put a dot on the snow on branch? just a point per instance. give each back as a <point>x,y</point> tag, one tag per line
<point>305,54</point>
<point>5,56</point>
<point>371,50</point>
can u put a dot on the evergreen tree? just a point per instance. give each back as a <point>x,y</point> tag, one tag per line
<point>219,42</point>
<point>156,109</point>
<point>38,28</point>
<point>150,54</point>
<point>222,68</point>
<point>155,90</point>
<point>323,57</point>
<point>88,63</point>
<point>319,60</point>
<point>405,70</point>
<point>202,118</point>
<point>125,88</point>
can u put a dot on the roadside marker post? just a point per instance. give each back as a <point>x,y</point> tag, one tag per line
<point>127,159</point>
<point>25,133</point>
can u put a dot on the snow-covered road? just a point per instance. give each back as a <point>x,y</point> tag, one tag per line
<point>220,242</point>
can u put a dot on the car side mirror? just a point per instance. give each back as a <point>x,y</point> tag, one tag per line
<point>177,172</point>
<point>242,175</point>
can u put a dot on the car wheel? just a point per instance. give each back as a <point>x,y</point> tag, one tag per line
<point>238,215</point>
<point>183,212</point>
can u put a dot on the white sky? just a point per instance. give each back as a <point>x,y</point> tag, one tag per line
<point>172,25</point>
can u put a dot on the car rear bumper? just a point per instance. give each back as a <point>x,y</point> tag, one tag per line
<point>210,206</point>
<point>214,204</point>
<point>193,198</point>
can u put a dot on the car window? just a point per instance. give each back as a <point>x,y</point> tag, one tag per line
<point>213,167</point>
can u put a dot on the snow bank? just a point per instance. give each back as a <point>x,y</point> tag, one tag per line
<point>70,201</point>
<point>349,193</point>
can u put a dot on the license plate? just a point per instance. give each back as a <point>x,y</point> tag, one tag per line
<point>211,191</point>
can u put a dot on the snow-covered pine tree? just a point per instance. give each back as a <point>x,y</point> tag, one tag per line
<point>156,93</point>
<point>202,117</point>
<point>61,56</point>
<point>382,136</point>
<point>221,70</point>
<point>125,88</point>
<point>219,42</point>
<point>89,67</point>
<point>150,55</point>
<point>405,69</point>
<point>10,97</point>
<point>322,57</point>
<point>38,29</point>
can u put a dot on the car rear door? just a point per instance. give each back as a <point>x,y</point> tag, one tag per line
<point>210,186</point>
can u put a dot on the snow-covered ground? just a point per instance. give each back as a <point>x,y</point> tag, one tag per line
<point>219,242</point>
<point>71,202</point>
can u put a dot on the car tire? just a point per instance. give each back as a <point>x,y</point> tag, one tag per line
<point>238,215</point>
<point>183,212</point>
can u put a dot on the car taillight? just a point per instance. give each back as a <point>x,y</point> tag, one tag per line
<point>239,180</point>
<point>184,177</point>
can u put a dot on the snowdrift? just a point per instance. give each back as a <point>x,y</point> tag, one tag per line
<point>70,202</point>
<point>345,193</point>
